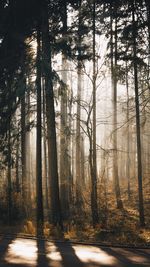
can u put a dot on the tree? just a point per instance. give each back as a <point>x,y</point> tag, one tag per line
<point>39,193</point>
<point>45,153</point>
<point>64,129</point>
<point>79,178</point>
<point>56,216</point>
<point>114,88</point>
<point>140,188</point>
<point>128,136</point>
<point>94,205</point>
<point>23,134</point>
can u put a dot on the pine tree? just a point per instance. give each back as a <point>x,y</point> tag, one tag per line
<point>56,216</point>
<point>39,193</point>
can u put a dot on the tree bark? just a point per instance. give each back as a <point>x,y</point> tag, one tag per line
<point>94,204</point>
<point>128,138</point>
<point>39,194</point>
<point>64,130</point>
<point>17,165</point>
<point>56,217</point>
<point>23,142</point>
<point>138,133</point>
<point>46,185</point>
<point>9,176</point>
<point>78,167</point>
<point>114,87</point>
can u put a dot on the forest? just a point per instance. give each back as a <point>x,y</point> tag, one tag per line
<point>74,119</point>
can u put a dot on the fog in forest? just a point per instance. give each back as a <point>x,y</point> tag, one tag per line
<point>74,120</point>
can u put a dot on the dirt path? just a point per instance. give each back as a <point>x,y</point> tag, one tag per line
<point>29,252</point>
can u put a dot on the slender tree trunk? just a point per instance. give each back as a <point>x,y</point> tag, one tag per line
<point>82,161</point>
<point>56,217</point>
<point>73,160</point>
<point>138,134</point>
<point>63,145</point>
<point>45,152</point>
<point>114,87</point>
<point>148,24</point>
<point>65,164</point>
<point>79,181</point>
<point>23,144</point>
<point>28,148</point>
<point>128,138</point>
<point>9,177</point>
<point>64,131</point>
<point>148,75</point>
<point>39,195</point>
<point>17,165</point>
<point>79,200</point>
<point>70,148</point>
<point>94,203</point>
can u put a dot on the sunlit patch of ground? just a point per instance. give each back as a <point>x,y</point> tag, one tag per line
<point>22,251</point>
<point>94,255</point>
<point>35,253</point>
<point>25,251</point>
<point>53,255</point>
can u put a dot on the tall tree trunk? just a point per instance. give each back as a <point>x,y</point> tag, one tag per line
<point>79,200</point>
<point>9,176</point>
<point>128,138</point>
<point>73,159</point>
<point>70,146</point>
<point>45,153</point>
<point>17,165</point>
<point>114,87</point>
<point>138,134</point>
<point>64,134</point>
<point>148,70</point>
<point>94,203</point>
<point>23,143</point>
<point>28,146</point>
<point>82,161</point>
<point>56,217</point>
<point>79,178</point>
<point>39,195</point>
<point>148,25</point>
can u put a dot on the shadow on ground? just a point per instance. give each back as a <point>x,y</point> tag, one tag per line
<point>40,253</point>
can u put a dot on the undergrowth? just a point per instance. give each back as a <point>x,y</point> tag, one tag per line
<point>119,227</point>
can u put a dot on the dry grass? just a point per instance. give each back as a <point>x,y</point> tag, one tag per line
<point>115,227</point>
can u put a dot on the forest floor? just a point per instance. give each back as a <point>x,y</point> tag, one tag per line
<point>25,252</point>
<point>117,227</point>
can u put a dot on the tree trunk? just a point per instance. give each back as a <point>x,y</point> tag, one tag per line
<point>39,195</point>
<point>70,148</point>
<point>94,204</point>
<point>148,24</point>
<point>114,87</point>
<point>138,134</point>
<point>9,176</point>
<point>79,200</point>
<point>64,130</point>
<point>56,217</point>
<point>82,161</point>
<point>28,146</point>
<point>23,143</point>
<point>46,185</point>
<point>17,165</point>
<point>128,138</point>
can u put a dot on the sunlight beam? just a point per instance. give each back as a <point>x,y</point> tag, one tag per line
<point>94,255</point>
<point>22,251</point>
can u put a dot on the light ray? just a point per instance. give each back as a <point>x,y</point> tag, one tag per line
<point>22,251</point>
<point>95,255</point>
